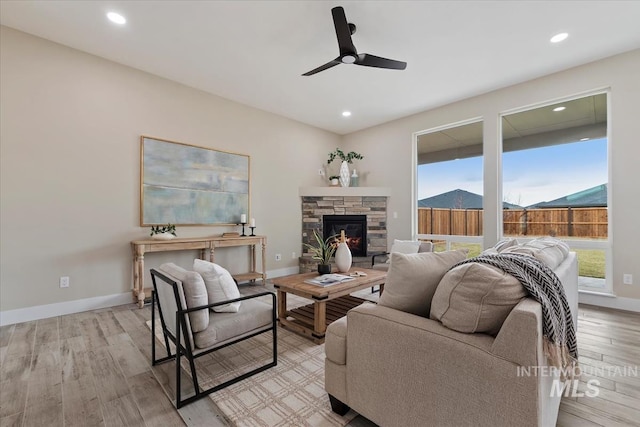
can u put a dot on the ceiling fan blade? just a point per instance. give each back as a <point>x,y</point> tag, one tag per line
<point>375,61</point>
<point>328,65</point>
<point>343,32</point>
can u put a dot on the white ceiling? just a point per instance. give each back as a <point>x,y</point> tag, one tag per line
<point>254,52</point>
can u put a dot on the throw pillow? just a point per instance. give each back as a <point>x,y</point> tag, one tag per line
<point>220,285</point>
<point>501,246</point>
<point>404,247</point>
<point>412,279</point>
<point>195,294</point>
<point>475,297</point>
<point>545,249</point>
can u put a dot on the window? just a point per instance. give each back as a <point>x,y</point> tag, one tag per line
<point>555,179</point>
<point>449,186</point>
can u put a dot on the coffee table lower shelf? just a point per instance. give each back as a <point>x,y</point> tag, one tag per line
<point>301,319</point>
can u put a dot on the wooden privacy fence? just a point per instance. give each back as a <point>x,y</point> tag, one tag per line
<point>561,222</point>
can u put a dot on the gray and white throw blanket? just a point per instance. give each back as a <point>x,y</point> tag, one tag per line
<point>560,345</point>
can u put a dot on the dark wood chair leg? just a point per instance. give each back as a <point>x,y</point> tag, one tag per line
<point>337,406</point>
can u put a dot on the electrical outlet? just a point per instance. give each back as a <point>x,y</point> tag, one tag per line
<point>278,257</point>
<point>293,255</point>
<point>64,282</point>
<point>627,279</point>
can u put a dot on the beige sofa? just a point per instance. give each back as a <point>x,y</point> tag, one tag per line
<point>400,369</point>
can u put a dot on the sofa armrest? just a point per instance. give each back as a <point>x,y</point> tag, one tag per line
<point>391,354</point>
<point>519,339</point>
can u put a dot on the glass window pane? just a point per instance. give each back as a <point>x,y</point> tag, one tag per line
<point>450,181</point>
<point>554,179</point>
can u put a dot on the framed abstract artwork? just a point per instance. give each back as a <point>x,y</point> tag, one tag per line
<point>185,184</point>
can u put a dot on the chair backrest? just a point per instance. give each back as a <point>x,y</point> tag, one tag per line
<point>425,247</point>
<point>170,298</point>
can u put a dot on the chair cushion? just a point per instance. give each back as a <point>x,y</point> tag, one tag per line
<point>476,297</point>
<point>545,249</point>
<point>220,285</point>
<point>195,294</point>
<point>253,314</point>
<point>412,279</point>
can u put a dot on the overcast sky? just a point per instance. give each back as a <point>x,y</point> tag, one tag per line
<point>529,176</point>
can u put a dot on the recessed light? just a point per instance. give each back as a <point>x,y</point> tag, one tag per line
<point>584,139</point>
<point>346,113</point>
<point>559,37</point>
<point>116,18</point>
<point>559,108</point>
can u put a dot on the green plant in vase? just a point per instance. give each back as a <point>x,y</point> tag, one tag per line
<point>333,180</point>
<point>322,251</point>
<point>163,231</point>
<point>346,159</point>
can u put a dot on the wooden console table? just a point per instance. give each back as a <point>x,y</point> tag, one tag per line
<point>207,247</point>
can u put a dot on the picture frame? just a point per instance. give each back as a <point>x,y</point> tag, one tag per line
<point>186,184</point>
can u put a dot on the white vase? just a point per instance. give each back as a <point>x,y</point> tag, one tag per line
<point>344,174</point>
<point>163,236</point>
<point>343,257</point>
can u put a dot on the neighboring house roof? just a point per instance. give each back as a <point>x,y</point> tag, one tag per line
<point>591,197</point>
<point>457,199</point>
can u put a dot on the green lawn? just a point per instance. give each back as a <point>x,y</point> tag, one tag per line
<point>591,262</point>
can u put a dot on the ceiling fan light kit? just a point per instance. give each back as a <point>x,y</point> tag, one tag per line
<point>348,52</point>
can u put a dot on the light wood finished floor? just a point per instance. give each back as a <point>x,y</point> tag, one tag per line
<point>93,368</point>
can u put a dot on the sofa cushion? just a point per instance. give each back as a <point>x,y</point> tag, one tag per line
<point>195,294</point>
<point>220,285</point>
<point>476,297</point>
<point>412,279</point>
<point>545,249</point>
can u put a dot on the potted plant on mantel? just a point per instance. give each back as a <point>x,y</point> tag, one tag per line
<point>347,159</point>
<point>163,232</point>
<point>334,180</point>
<point>322,251</point>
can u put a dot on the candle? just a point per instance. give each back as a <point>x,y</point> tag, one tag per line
<point>253,222</point>
<point>243,219</point>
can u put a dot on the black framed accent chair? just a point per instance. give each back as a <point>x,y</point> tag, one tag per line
<point>195,327</point>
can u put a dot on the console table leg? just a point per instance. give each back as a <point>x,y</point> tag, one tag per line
<point>138,277</point>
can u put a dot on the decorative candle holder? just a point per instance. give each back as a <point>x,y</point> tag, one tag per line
<point>243,224</point>
<point>252,228</point>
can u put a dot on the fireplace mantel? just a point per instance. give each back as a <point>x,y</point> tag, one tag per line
<point>344,191</point>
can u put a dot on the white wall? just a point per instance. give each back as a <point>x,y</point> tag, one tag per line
<point>388,151</point>
<point>70,162</point>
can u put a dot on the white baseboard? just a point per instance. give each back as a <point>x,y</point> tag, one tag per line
<point>283,272</point>
<point>610,301</point>
<point>28,314</point>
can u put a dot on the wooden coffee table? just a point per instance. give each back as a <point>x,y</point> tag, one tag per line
<point>329,302</point>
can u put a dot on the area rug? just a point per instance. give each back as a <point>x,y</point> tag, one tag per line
<point>289,394</point>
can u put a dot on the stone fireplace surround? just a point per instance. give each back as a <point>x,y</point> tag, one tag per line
<point>319,201</point>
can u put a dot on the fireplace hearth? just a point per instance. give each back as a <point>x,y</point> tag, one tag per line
<point>355,228</point>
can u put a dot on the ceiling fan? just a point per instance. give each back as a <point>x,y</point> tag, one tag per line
<point>348,52</point>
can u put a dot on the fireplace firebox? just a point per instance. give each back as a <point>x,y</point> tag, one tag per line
<point>355,228</point>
